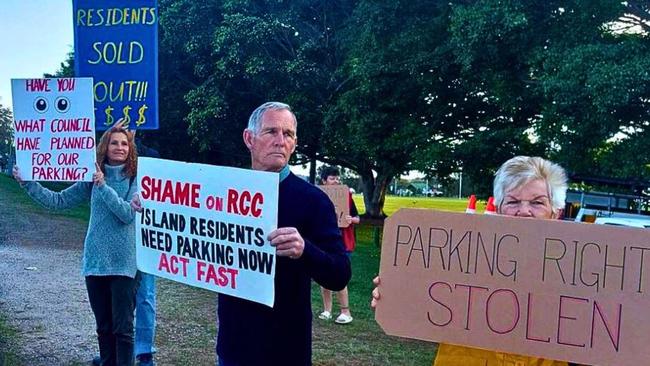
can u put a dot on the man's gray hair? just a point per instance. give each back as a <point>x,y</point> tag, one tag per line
<point>255,120</point>
<point>520,170</point>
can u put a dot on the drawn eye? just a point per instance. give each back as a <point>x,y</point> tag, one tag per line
<point>40,104</point>
<point>62,104</point>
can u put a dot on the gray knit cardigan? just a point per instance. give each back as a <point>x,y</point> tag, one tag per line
<point>109,247</point>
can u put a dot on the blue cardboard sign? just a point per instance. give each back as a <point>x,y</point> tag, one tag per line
<point>116,43</point>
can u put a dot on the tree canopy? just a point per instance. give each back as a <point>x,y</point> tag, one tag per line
<point>567,75</point>
<point>6,136</point>
<point>382,87</point>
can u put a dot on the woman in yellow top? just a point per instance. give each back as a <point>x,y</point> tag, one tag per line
<point>525,187</point>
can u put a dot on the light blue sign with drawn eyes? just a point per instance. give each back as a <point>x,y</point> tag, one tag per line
<point>54,129</point>
<point>116,43</point>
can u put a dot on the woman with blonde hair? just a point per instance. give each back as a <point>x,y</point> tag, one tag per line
<point>109,264</point>
<point>524,186</point>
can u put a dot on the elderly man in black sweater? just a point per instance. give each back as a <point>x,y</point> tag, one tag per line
<point>308,246</point>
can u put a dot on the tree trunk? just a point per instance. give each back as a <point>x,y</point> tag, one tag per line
<point>374,193</point>
<point>312,171</point>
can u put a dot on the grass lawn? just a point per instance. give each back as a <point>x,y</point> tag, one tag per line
<point>362,342</point>
<point>394,203</point>
<point>7,337</point>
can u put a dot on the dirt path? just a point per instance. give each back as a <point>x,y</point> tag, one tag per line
<point>43,296</point>
<point>42,292</point>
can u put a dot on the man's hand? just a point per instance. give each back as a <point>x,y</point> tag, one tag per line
<point>98,176</point>
<point>136,204</point>
<point>16,174</point>
<point>288,242</point>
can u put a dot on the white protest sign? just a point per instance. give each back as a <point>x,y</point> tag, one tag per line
<point>54,124</point>
<point>206,226</point>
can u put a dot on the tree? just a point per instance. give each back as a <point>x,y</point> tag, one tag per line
<point>6,137</point>
<point>309,54</point>
<point>268,50</point>
<point>185,31</point>
<point>66,68</point>
<point>562,78</point>
<point>373,84</point>
<point>406,107</point>
<point>382,87</point>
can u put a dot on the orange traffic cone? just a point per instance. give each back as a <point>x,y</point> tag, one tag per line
<point>490,209</point>
<point>471,205</point>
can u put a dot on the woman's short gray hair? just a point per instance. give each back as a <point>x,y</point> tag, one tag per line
<point>255,120</point>
<point>520,170</point>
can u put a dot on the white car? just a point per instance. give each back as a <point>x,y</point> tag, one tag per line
<point>623,221</point>
<point>432,192</point>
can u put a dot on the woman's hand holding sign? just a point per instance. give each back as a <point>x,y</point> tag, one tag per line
<point>98,176</point>
<point>136,204</point>
<point>352,220</point>
<point>375,293</point>
<point>16,173</point>
<point>288,242</point>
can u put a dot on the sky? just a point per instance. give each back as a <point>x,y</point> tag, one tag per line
<point>35,37</point>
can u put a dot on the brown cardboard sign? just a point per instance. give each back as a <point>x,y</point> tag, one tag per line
<point>339,194</point>
<point>553,289</point>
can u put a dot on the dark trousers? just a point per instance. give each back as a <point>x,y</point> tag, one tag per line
<point>112,299</point>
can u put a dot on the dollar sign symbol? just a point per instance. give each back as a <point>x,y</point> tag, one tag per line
<point>126,118</point>
<point>109,117</point>
<point>141,118</point>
